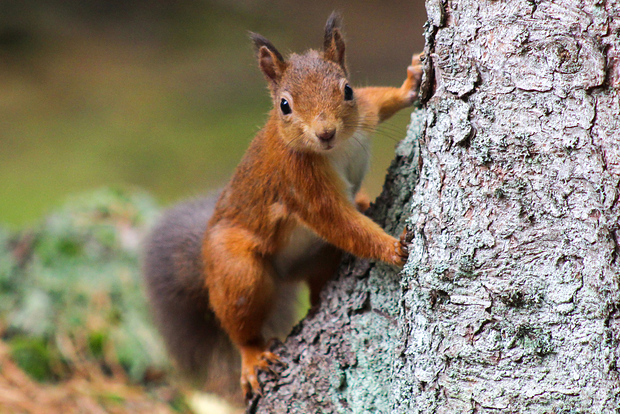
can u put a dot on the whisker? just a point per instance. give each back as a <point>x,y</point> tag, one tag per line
<point>391,127</point>
<point>384,125</point>
<point>393,133</point>
<point>291,143</point>
<point>357,140</point>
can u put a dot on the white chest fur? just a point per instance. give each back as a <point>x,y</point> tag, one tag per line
<point>350,161</point>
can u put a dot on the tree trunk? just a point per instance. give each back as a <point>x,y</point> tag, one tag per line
<point>509,178</point>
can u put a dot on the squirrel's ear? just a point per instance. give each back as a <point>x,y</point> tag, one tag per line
<point>270,60</point>
<point>333,45</point>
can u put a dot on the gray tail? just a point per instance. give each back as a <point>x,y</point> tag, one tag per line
<point>174,277</point>
<point>172,269</point>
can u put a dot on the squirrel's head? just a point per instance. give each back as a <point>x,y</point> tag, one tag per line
<point>314,104</point>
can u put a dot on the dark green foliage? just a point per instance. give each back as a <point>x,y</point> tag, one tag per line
<point>33,356</point>
<point>75,280</point>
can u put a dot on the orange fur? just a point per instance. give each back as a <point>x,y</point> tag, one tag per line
<point>285,182</point>
<point>362,200</point>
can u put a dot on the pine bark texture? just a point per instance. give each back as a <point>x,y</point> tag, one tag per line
<point>509,177</point>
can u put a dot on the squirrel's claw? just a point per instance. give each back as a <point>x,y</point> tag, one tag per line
<point>401,247</point>
<point>250,386</point>
<point>249,372</point>
<point>414,77</point>
<point>416,60</point>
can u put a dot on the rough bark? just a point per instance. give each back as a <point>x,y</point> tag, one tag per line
<point>509,177</point>
<point>511,293</point>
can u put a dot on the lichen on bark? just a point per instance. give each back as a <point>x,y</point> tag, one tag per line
<point>511,292</point>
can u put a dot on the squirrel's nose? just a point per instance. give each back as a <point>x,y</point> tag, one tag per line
<point>326,135</point>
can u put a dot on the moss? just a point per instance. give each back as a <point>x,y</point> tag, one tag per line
<point>96,343</point>
<point>111,398</point>
<point>514,299</point>
<point>467,266</point>
<point>499,193</point>
<point>533,339</point>
<point>33,356</point>
<point>80,282</point>
<point>179,404</point>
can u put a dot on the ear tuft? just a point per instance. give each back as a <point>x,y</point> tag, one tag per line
<point>334,21</point>
<point>270,61</point>
<point>260,41</point>
<point>333,44</point>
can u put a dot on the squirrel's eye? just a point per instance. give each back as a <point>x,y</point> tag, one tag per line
<point>348,92</point>
<point>285,107</point>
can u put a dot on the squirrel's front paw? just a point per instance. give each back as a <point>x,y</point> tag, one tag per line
<point>414,77</point>
<point>401,247</point>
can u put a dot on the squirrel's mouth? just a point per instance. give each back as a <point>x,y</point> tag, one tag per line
<point>327,138</point>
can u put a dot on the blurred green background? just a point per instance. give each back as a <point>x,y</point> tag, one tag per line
<point>163,95</point>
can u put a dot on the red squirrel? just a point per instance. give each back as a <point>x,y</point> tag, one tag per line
<point>215,270</point>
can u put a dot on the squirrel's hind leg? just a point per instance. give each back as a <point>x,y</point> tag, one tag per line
<point>241,292</point>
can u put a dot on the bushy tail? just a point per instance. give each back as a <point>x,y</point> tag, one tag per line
<point>172,269</point>
<point>173,272</point>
